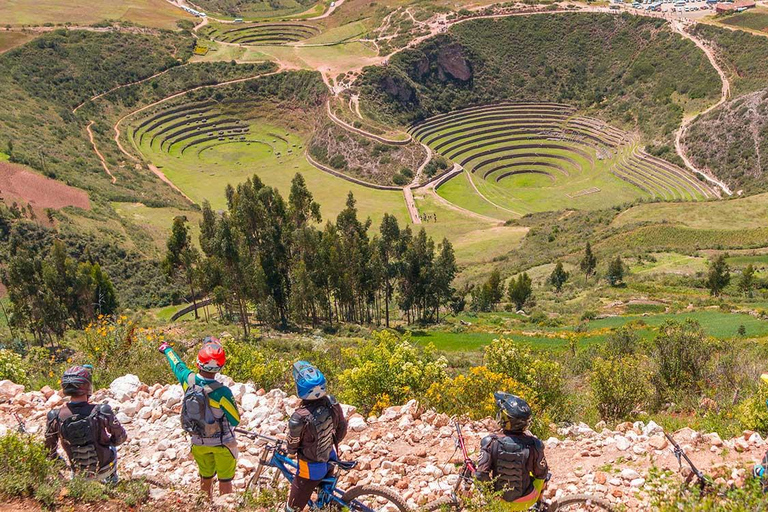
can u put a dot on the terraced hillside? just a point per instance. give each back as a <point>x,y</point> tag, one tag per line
<point>526,157</point>
<point>262,33</point>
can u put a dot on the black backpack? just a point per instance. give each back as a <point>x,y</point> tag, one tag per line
<point>77,431</point>
<point>196,414</point>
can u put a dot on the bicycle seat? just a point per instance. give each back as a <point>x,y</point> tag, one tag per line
<point>344,465</point>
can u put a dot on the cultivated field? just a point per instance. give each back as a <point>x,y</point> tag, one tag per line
<point>526,157</point>
<point>152,13</point>
<point>25,186</point>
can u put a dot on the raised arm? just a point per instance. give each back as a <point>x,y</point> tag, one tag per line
<point>180,370</point>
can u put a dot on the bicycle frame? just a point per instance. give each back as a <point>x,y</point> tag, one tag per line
<point>468,471</point>
<point>327,491</point>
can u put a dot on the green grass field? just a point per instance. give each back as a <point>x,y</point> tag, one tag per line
<point>338,34</point>
<point>12,39</point>
<point>754,19</point>
<point>458,190</point>
<point>737,214</point>
<point>157,221</point>
<point>152,13</point>
<point>669,263</point>
<point>714,323</point>
<point>334,59</point>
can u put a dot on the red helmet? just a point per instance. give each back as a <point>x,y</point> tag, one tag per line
<point>78,381</point>
<point>211,357</point>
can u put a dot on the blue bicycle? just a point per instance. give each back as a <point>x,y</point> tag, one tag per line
<point>276,470</point>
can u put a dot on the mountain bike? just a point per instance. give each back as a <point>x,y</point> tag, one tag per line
<point>455,502</point>
<point>702,482</point>
<point>275,471</point>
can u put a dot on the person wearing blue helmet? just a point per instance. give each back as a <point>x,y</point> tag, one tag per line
<point>314,431</point>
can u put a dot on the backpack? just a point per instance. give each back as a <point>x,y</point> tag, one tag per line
<point>77,430</point>
<point>196,414</point>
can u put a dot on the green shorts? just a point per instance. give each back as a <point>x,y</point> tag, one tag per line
<point>215,461</point>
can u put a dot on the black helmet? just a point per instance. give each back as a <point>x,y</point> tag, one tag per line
<point>514,413</point>
<point>78,381</point>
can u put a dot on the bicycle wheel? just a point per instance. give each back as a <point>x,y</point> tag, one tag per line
<point>367,498</point>
<point>580,503</point>
<point>443,504</point>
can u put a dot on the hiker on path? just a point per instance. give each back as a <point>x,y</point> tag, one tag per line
<point>89,433</point>
<point>209,413</point>
<point>314,432</point>
<point>514,461</point>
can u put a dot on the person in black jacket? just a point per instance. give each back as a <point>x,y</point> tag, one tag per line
<point>314,431</point>
<point>514,461</point>
<point>89,433</point>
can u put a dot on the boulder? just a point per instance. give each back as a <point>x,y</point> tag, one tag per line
<point>357,423</point>
<point>172,396</point>
<point>249,402</point>
<point>10,390</point>
<point>125,387</point>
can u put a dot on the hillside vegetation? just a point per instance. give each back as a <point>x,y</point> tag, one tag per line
<point>579,59</point>
<point>255,8</point>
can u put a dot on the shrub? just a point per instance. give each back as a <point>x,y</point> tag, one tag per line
<point>752,412</point>
<point>518,362</point>
<point>621,342</point>
<point>246,363</point>
<point>619,385</point>
<point>388,369</point>
<point>472,396</point>
<point>12,367</point>
<point>681,352</point>
<point>24,465</point>
<point>88,491</point>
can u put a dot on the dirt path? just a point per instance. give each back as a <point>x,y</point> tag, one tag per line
<point>430,189</point>
<point>410,203</point>
<point>157,172</point>
<point>329,11</point>
<point>477,191</point>
<point>420,170</point>
<point>116,128</point>
<point>94,98</point>
<point>725,94</point>
<point>98,153</point>
<point>364,133</point>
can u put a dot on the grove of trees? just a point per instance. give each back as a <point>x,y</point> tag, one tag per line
<point>267,259</point>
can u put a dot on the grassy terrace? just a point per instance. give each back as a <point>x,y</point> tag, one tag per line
<point>261,33</point>
<point>152,13</point>
<point>715,323</point>
<point>529,157</point>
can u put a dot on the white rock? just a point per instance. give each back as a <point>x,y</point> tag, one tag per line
<point>622,443</point>
<point>125,387</point>
<point>249,402</point>
<point>172,396</point>
<point>10,390</point>
<point>123,418</point>
<point>637,482</point>
<point>357,423</point>
<point>629,474</point>
<point>652,428</point>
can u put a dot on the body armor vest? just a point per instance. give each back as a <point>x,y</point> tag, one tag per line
<point>321,421</point>
<point>79,431</point>
<point>513,478</point>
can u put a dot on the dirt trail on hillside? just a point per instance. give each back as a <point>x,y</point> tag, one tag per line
<point>98,153</point>
<point>725,94</point>
<point>94,98</point>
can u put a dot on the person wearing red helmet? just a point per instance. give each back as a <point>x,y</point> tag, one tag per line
<point>209,413</point>
<point>89,433</point>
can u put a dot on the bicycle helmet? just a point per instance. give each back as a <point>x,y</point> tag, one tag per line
<point>310,382</point>
<point>514,413</point>
<point>211,358</point>
<point>78,380</point>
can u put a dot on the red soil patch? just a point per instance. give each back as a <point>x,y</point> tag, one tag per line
<point>20,184</point>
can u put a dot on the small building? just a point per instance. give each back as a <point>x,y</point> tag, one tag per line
<point>731,7</point>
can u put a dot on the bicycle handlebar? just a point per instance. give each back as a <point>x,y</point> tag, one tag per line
<point>256,435</point>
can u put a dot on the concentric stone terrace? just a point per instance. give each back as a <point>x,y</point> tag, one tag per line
<point>263,33</point>
<point>518,154</point>
<point>189,127</point>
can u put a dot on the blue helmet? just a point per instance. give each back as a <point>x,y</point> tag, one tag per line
<point>310,382</point>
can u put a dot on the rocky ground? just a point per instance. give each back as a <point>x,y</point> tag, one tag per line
<point>405,448</point>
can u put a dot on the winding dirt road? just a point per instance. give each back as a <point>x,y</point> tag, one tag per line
<point>98,153</point>
<point>725,94</point>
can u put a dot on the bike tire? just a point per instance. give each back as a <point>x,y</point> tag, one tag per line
<point>576,502</point>
<point>378,493</point>
<point>265,478</point>
<point>443,503</point>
